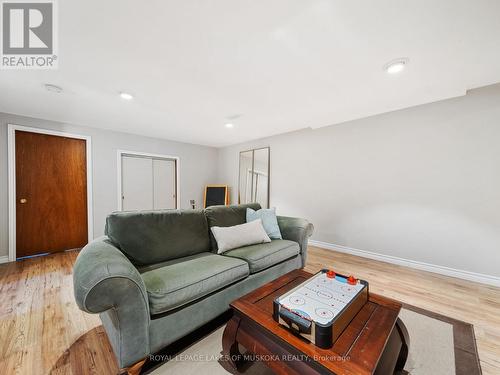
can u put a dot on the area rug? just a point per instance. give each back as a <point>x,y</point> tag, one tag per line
<point>439,345</point>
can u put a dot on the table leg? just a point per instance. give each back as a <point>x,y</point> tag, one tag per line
<point>405,344</point>
<point>230,348</point>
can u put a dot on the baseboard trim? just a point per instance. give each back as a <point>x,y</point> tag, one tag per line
<point>4,259</point>
<point>442,270</point>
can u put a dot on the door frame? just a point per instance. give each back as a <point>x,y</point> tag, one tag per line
<point>120,153</point>
<point>11,147</point>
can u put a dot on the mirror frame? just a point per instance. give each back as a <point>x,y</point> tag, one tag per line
<point>253,164</point>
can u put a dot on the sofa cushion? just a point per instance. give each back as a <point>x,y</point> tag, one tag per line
<point>148,237</point>
<point>227,216</point>
<point>180,281</point>
<point>262,256</point>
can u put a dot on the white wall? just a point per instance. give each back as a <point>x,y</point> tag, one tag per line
<point>421,183</point>
<point>197,167</point>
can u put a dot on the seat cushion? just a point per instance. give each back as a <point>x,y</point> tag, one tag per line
<point>262,256</point>
<point>180,281</point>
<point>227,216</point>
<point>149,237</point>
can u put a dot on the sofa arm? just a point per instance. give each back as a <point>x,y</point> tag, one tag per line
<point>106,282</point>
<point>298,230</point>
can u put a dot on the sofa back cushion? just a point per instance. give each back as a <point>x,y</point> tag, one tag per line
<point>149,237</point>
<point>227,216</point>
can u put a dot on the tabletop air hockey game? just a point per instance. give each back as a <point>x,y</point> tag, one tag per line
<point>320,308</point>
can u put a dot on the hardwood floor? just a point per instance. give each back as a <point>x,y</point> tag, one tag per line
<point>42,331</point>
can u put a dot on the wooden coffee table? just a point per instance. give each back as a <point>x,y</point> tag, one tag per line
<point>375,342</point>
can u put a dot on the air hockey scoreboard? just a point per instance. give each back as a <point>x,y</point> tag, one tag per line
<point>321,308</point>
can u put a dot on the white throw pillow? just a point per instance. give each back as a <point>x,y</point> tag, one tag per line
<point>239,235</point>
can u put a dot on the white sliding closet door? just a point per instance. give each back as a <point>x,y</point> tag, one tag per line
<point>164,184</point>
<point>148,183</point>
<point>137,183</point>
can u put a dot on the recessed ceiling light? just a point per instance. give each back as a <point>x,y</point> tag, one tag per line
<point>396,66</point>
<point>126,96</point>
<point>53,88</point>
<point>229,125</point>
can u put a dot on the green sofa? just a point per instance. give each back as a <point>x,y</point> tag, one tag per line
<point>156,276</point>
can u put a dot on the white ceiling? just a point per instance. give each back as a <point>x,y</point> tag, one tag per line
<point>280,65</point>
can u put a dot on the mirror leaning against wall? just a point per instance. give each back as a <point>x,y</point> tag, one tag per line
<point>253,183</point>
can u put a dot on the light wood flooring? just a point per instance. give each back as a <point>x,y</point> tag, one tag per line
<point>42,331</point>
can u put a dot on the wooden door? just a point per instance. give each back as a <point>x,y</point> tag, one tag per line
<point>51,193</point>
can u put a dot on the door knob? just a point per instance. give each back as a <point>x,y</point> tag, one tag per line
<point>23,200</point>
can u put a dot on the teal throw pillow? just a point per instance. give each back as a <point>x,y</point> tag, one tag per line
<point>269,221</point>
